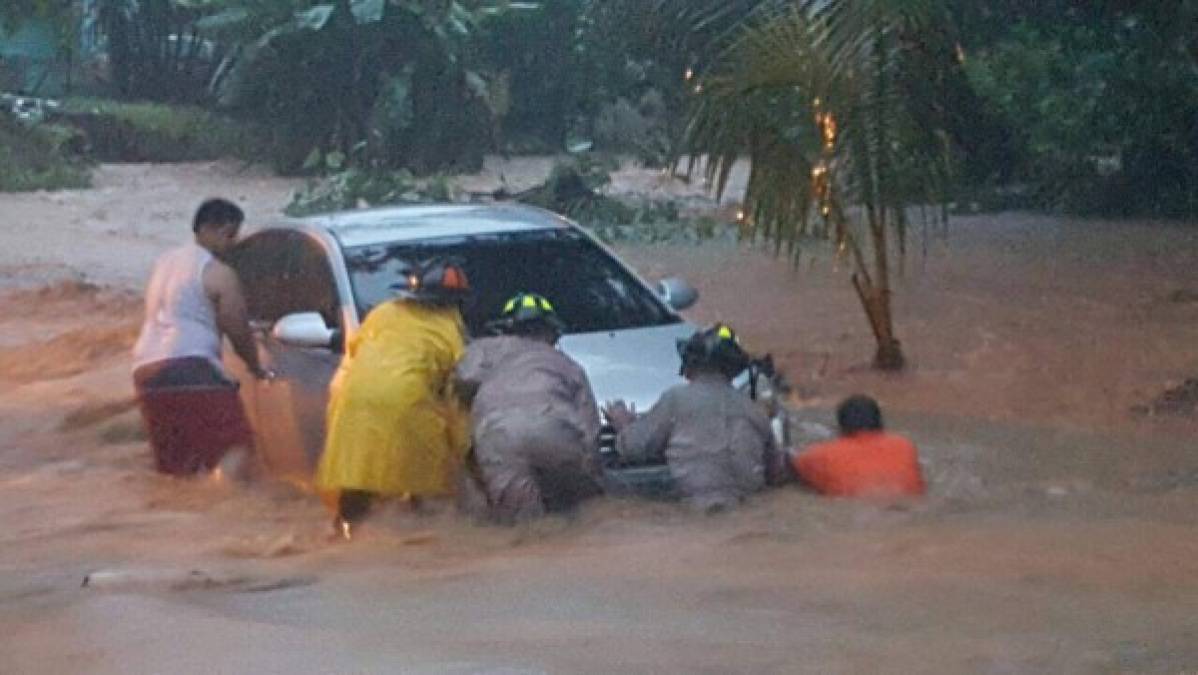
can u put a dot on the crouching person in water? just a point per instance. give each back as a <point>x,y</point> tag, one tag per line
<point>865,461</point>
<point>394,428</point>
<point>535,420</point>
<point>716,440</point>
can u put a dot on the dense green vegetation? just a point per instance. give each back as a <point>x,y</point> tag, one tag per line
<point>117,131</point>
<point>40,158</point>
<point>1076,106</point>
<point>1101,100</point>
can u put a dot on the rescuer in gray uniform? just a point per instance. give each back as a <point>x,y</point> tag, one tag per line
<point>534,420</point>
<point>716,440</point>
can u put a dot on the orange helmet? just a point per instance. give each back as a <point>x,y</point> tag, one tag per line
<point>435,282</point>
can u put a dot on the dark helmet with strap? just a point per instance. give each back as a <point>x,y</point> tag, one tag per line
<point>437,281</point>
<point>528,313</point>
<point>717,348</point>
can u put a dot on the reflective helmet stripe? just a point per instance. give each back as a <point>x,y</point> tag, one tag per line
<point>528,301</point>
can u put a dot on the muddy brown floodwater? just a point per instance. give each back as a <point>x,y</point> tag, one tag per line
<point>1060,535</point>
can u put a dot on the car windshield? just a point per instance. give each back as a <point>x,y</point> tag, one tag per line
<point>590,290</point>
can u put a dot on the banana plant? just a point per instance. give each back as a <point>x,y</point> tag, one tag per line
<point>385,83</point>
<point>156,49</point>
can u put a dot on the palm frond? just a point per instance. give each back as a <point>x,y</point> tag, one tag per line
<point>785,69</point>
<point>829,101</point>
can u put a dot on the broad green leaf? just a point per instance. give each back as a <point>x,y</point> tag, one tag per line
<point>313,160</point>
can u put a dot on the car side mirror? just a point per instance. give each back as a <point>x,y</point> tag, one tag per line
<point>305,329</point>
<point>677,293</point>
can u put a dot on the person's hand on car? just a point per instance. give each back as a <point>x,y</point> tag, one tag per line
<point>619,414</point>
<point>264,375</point>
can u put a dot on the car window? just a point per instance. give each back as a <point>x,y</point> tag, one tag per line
<point>284,272</point>
<point>591,291</point>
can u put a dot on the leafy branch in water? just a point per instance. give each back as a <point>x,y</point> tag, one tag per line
<point>360,188</point>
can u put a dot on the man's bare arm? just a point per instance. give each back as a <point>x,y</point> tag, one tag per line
<point>232,317</point>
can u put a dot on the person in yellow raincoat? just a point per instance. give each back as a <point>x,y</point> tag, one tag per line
<point>393,427</point>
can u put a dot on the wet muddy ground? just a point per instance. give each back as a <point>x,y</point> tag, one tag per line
<point>1060,536</point>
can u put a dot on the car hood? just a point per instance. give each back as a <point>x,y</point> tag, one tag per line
<point>636,365</point>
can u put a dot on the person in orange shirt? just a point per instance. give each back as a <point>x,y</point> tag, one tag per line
<point>865,461</point>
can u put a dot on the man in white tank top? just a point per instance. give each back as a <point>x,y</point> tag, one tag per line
<point>191,408</point>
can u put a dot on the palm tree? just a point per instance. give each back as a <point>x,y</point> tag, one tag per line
<point>841,107</point>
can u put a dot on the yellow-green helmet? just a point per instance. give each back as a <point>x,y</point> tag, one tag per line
<point>527,313</point>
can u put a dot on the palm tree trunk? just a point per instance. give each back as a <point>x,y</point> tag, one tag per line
<point>875,301</point>
<point>873,290</point>
<point>873,287</point>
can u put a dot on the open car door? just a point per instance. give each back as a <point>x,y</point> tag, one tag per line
<point>285,273</point>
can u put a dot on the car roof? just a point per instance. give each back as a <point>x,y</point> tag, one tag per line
<point>366,227</point>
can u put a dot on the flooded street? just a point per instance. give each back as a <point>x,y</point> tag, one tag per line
<point>1060,534</point>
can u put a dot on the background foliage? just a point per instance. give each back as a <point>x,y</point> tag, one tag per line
<point>1088,107</point>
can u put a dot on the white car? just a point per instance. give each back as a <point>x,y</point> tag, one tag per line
<point>310,282</point>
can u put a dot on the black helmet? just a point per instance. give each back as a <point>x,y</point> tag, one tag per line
<point>434,282</point>
<point>716,347</point>
<point>528,313</point>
